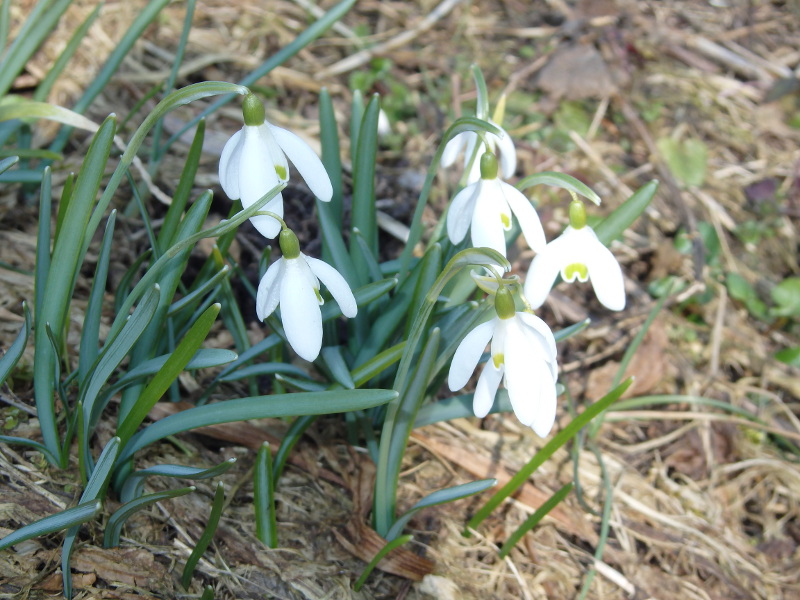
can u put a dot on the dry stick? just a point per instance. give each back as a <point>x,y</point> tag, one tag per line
<point>364,56</point>
<point>607,173</point>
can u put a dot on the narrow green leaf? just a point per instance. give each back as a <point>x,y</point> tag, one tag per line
<point>11,357</point>
<point>61,520</point>
<point>331,158</point>
<point>482,107</point>
<point>31,110</point>
<point>264,498</point>
<point>363,295</point>
<point>193,298</point>
<point>18,441</point>
<point>561,438</point>
<point>396,543</point>
<point>334,360</point>
<point>175,364</point>
<point>356,118</point>
<point>66,259</point>
<point>333,241</point>
<point>208,593</point>
<point>430,268</point>
<point>363,215</point>
<point>166,237</point>
<point>258,407</point>
<point>205,538</point>
<point>559,180</point>
<point>370,259</point>
<point>271,368</point>
<point>7,163</point>
<point>377,364</point>
<point>134,483</point>
<point>5,20</point>
<point>90,336</point>
<point>396,430</point>
<point>623,217</point>
<point>64,56</point>
<point>126,511</point>
<point>95,491</point>
<point>534,519</point>
<point>292,436</point>
<point>457,492</point>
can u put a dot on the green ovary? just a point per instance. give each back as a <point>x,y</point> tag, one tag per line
<point>575,271</point>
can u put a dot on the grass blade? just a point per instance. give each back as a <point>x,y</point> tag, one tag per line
<point>205,538</point>
<point>264,498</point>
<point>561,438</point>
<point>171,369</point>
<point>534,519</point>
<point>396,543</point>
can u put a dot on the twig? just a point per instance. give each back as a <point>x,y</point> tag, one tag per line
<point>364,56</point>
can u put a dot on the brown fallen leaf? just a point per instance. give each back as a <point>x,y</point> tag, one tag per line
<point>130,566</point>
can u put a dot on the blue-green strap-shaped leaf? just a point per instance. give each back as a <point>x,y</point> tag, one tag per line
<point>457,492</point>
<point>7,163</point>
<point>91,321</point>
<point>624,216</point>
<point>95,490</point>
<point>57,522</point>
<point>10,359</point>
<point>116,521</point>
<point>260,369</point>
<point>264,497</point>
<point>134,483</point>
<point>363,216</point>
<point>257,407</point>
<point>18,441</point>
<point>331,157</point>
<point>334,360</point>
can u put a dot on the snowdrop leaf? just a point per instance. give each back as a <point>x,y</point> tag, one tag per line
<point>559,180</point>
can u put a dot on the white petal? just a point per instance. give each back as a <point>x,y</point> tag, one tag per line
<point>459,215</point>
<point>269,290</point>
<point>605,275</point>
<point>527,378</point>
<point>546,407</point>
<point>508,154</point>
<point>468,354</point>
<point>453,148</point>
<point>337,285</point>
<point>475,172</point>
<point>300,312</point>
<point>526,215</point>
<point>487,229</point>
<point>305,161</point>
<point>542,331</point>
<point>257,176</point>
<point>229,166</point>
<point>544,270</point>
<point>485,391</point>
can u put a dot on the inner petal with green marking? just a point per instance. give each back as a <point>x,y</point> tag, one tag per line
<point>498,360</point>
<point>281,171</point>
<point>505,219</point>
<point>574,271</point>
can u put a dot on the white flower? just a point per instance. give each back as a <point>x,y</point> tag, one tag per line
<point>254,161</point>
<point>576,254</point>
<point>294,284</point>
<point>523,355</point>
<point>485,208</point>
<point>498,144</point>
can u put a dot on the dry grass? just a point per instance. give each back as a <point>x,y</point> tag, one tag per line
<point>705,504</point>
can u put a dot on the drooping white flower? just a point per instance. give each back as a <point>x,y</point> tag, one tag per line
<point>485,208</point>
<point>501,145</point>
<point>523,356</point>
<point>576,254</point>
<point>254,161</point>
<point>293,283</point>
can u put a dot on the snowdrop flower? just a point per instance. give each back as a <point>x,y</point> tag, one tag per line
<point>293,282</point>
<point>497,144</point>
<point>577,254</point>
<point>485,208</point>
<point>254,161</point>
<point>523,355</point>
